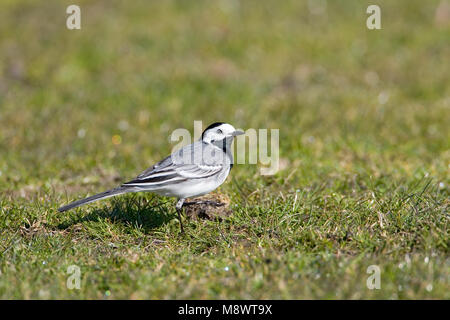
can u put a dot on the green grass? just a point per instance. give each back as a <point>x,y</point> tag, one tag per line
<point>364,146</point>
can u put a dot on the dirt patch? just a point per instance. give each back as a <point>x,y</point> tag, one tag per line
<point>209,207</point>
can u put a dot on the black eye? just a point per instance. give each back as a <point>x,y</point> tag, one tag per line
<point>219,131</point>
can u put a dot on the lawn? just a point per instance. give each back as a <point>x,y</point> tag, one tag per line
<point>363,119</point>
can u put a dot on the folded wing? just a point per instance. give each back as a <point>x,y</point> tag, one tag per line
<point>187,163</point>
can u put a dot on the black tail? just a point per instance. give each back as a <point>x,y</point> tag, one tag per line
<point>103,195</point>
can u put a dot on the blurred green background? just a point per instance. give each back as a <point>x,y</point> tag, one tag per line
<point>364,145</point>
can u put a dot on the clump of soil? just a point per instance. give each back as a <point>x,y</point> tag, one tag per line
<point>209,207</point>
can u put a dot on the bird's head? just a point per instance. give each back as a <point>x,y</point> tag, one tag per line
<point>220,133</point>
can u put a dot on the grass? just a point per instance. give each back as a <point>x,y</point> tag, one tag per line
<point>364,146</point>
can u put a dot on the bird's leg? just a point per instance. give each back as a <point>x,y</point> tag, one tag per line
<point>179,208</point>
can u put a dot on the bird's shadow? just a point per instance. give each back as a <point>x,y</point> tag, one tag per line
<point>132,210</point>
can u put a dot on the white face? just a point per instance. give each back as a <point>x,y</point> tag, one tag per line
<point>220,133</point>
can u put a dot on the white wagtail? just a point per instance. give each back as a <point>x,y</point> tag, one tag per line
<point>192,171</point>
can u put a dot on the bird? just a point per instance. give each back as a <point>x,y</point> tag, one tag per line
<point>192,171</point>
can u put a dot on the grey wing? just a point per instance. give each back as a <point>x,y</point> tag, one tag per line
<point>186,163</point>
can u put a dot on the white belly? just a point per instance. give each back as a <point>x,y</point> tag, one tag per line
<point>192,187</point>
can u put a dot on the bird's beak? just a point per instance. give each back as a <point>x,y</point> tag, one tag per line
<point>237,133</point>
